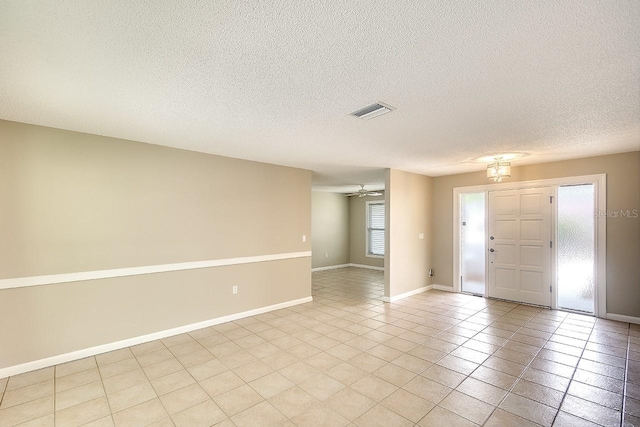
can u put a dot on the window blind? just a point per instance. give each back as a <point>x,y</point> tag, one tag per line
<point>375,228</point>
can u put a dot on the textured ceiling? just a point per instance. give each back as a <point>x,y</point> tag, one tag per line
<point>274,81</point>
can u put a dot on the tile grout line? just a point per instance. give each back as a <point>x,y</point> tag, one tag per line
<point>626,375</point>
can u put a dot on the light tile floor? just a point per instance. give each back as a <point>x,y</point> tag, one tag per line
<point>347,358</point>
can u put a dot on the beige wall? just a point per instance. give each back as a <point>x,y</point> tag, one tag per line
<point>329,229</point>
<point>623,234</point>
<point>358,231</point>
<point>75,202</point>
<point>408,258</point>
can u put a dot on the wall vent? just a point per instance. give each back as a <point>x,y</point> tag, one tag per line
<point>373,110</point>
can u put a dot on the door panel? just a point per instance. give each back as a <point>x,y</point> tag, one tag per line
<point>520,257</point>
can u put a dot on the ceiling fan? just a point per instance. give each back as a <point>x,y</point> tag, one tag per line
<point>362,192</point>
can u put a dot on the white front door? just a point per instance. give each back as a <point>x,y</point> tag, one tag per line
<point>519,245</point>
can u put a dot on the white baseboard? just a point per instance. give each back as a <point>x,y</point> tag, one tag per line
<point>370,267</point>
<point>407,294</point>
<point>335,267</point>
<point>330,267</point>
<point>92,351</point>
<point>443,288</point>
<point>623,318</point>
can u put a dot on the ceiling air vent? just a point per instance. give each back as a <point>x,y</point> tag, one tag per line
<point>373,110</point>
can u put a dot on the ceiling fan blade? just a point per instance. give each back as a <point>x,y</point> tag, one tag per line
<point>374,193</point>
<point>352,194</point>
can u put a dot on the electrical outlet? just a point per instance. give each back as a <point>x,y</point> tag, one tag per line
<point>326,254</point>
<point>421,236</point>
<point>235,290</point>
<point>304,238</point>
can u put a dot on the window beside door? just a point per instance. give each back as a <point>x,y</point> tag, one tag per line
<point>375,229</point>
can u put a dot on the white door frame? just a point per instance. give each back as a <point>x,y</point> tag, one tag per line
<point>599,182</point>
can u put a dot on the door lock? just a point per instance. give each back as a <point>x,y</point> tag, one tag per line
<point>492,250</point>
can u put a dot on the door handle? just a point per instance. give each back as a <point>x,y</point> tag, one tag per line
<point>492,250</point>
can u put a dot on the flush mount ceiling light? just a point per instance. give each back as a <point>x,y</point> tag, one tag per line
<point>371,111</point>
<point>498,170</point>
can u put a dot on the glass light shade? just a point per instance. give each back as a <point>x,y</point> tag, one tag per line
<point>497,171</point>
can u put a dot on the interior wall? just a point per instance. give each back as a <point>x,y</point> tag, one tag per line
<point>623,232</point>
<point>409,255</point>
<point>74,202</point>
<point>358,231</point>
<point>330,229</point>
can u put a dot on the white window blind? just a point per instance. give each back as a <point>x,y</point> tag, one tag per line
<point>375,229</point>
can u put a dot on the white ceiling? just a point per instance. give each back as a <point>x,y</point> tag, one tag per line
<point>273,81</point>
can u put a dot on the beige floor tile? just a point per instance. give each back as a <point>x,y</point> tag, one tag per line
<point>162,369</point>
<point>261,415</point>
<point>601,381</point>
<point>346,373</point>
<point>349,403</point>
<point>298,372</point>
<point>412,363</point>
<point>27,411</point>
<point>394,374</point>
<point>76,380</point>
<point>495,378</point>
<point>539,393</point>
<point>385,353</point>
<point>83,413</point>
<point>195,358</point>
<point>444,376</point>
<point>237,400</point>
<point>374,387</point>
<point>177,340</point>
<point>324,361</point>
<point>186,348</point>
<point>172,382</point>
<point>124,381</point>
<point>595,395</point>
<point>237,359</point>
<point>427,389</point>
<point>546,379</point>
<point>440,417</point>
<point>183,398</point>
<point>143,414</point>
<point>117,368</point>
<point>501,418</point>
<point>319,416</point>
<point>75,366</point>
<point>380,416</point>
<point>148,347</point>
<point>505,366</point>
<point>253,371</point>
<point>632,406</point>
<point>113,356</point>
<point>131,396</point>
<point>468,407</point>
<point>564,419</point>
<point>206,413</point>
<point>29,378</point>
<point>101,422</point>
<point>483,391</point>
<point>79,395</point>
<point>154,357</point>
<point>271,385</point>
<point>321,386</point>
<point>221,383</point>
<point>293,401</point>
<point>457,364</point>
<point>408,405</point>
<point>590,411</point>
<point>46,421</point>
<point>26,394</point>
<point>207,369</point>
<point>529,409</point>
